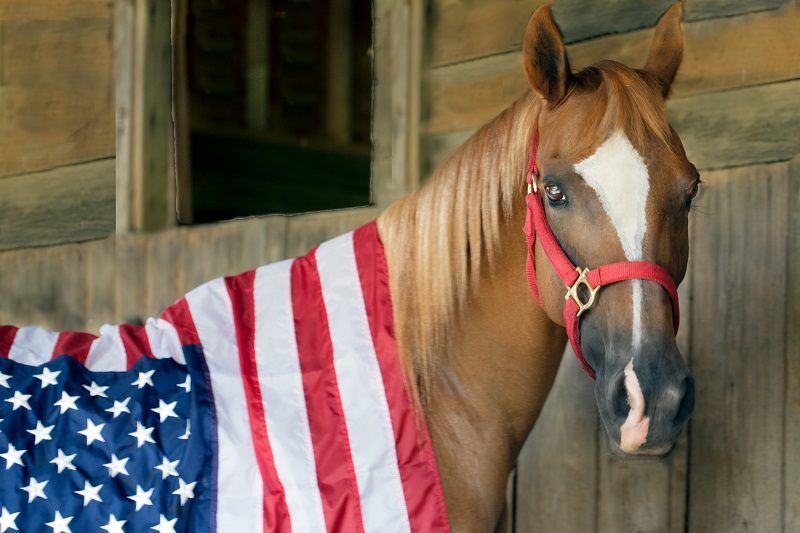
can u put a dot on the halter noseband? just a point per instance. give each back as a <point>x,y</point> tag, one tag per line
<point>575,277</point>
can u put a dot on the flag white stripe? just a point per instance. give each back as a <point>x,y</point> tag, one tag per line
<point>33,346</point>
<point>107,353</point>
<point>283,396</point>
<point>239,483</point>
<point>164,340</point>
<point>366,411</point>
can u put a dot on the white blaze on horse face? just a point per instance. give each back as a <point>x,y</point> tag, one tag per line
<point>619,176</point>
<point>633,432</point>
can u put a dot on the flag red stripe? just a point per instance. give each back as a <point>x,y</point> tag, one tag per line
<point>335,473</point>
<point>136,343</point>
<point>7,335</point>
<point>74,344</point>
<point>179,315</point>
<point>240,290</point>
<point>418,472</point>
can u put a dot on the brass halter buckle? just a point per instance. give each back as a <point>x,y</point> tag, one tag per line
<point>572,292</point>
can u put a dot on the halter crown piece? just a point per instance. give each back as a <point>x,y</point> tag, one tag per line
<point>575,277</point>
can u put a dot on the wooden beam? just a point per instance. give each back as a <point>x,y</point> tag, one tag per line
<point>71,203</point>
<point>791,432</point>
<point>54,9</point>
<point>144,103</point>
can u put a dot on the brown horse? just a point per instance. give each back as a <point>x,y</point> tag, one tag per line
<point>616,186</point>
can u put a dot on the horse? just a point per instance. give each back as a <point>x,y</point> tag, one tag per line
<point>616,186</point>
<point>471,309</point>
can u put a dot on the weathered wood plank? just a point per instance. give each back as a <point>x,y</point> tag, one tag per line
<point>791,441</point>
<point>741,127</point>
<point>54,9</point>
<point>72,203</point>
<point>151,122</point>
<point>57,93</point>
<point>557,468</point>
<point>738,350</point>
<point>463,29</point>
<point>719,54</point>
<point>101,266</point>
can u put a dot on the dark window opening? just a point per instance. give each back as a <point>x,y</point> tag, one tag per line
<point>279,106</point>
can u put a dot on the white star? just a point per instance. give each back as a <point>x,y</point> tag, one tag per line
<point>12,456</point>
<point>8,520</point>
<point>186,385</point>
<point>48,377</point>
<point>165,410</point>
<point>60,524</point>
<point>4,383</point>
<point>114,525</point>
<point>35,489</point>
<point>92,432</point>
<point>141,497</point>
<point>142,434</point>
<point>41,433</point>
<point>89,493</point>
<point>167,468</point>
<point>185,491</point>
<point>66,402</point>
<point>164,525</point>
<point>117,466</point>
<point>119,408</point>
<point>185,436</point>
<point>19,400</point>
<point>96,390</point>
<point>144,379</point>
<point>64,461</point>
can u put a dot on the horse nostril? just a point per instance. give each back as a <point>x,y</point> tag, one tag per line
<point>687,402</point>
<point>620,405</point>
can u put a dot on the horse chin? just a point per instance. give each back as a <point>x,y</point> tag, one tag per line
<point>641,454</point>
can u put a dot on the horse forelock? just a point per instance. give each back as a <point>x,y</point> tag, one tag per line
<point>625,99</point>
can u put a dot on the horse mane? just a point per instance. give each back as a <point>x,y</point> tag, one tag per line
<point>448,231</point>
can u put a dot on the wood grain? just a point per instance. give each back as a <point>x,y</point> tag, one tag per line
<point>557,470</point>
<point>740,127</point>
<point>303,232</point>
<point>738,350</point>
<point>57,93</point>
<point>54,9</point>
<point>463,30</point>
<point>719,54</point>
<point>791,440</point>
<point>73,203</point>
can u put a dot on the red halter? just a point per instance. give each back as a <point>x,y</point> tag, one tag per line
<point>572,276</point>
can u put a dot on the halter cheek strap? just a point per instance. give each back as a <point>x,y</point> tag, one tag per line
<point>574,277</point>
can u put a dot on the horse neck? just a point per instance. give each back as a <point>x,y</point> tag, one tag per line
<point>479,353</point>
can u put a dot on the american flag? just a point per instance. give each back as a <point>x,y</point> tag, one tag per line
<point>268,401</point>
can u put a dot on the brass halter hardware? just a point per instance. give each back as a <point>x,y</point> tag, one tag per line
<point>572,292</point>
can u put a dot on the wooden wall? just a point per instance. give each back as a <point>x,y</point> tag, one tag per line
<point>736,105</point>
<point>56,121</point>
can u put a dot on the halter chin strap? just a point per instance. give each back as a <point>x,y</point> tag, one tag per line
<point>574,277</point>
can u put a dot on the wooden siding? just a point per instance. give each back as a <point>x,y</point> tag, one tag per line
<point>56,121</point>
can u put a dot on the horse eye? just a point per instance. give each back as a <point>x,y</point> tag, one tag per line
<point>554,194</point>
<point>692,192</point>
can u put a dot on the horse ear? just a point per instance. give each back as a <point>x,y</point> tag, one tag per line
<point>545,57</point>
<point>666,50</point>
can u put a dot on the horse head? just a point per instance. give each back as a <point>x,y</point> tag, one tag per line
<point>616,187</point>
